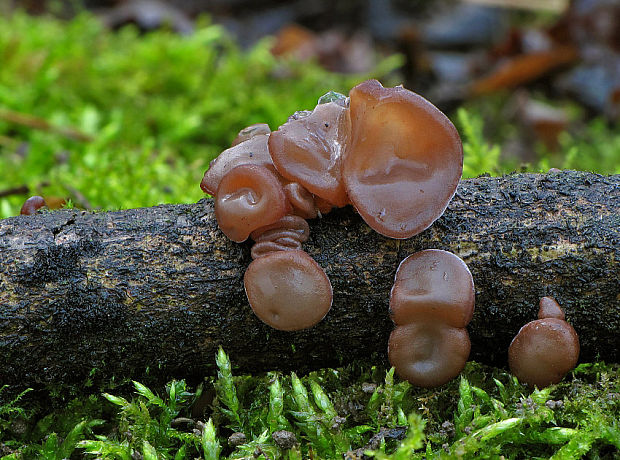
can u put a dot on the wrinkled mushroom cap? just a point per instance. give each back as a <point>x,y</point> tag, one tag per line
<point>248,197</point>
<point>308,150</point>
<point>252,151</point>
<point>288,290</point>
<point>543,352</point>
<point>403,162</point>
<point>289,225</point>
<point>432,285</point>
<point>428,354</point>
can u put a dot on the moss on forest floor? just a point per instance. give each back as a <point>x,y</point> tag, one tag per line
<point>353,411</point>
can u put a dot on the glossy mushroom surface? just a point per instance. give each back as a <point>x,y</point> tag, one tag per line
<point>252,151</point>
<point>428,354</point>
<point>431,302</point>
<point>549,308</point>
<point>432,285</point>
<point>248,197</point>
<point>31,205</point>
<point>288,290</point>
<point>403,162</point>
<point>544,350</point>
<point>251,131</point>
<point>308,150</point>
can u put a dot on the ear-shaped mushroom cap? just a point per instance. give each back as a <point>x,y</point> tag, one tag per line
<point>31,205</point>
<point>549,308</point>
<point>252,151</point>
<point>403,162</point>
<point>247,198</point>
<point>428,354</point>
<point>432,285</point>
<point>251,131</point>
<point>308,149</point>
<point>543,352</point>
<point>288,290</point>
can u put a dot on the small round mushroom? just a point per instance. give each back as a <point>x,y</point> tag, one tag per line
<point>428,354</point>
<point>403,162</point>
<point>308,149</point>
<point>288,290</point>
<point>431,302</point>
<point>247,198</point>
<point>433,285</point>
<point>31,205</point>
<point>544,350</point>
<point>252,151</point>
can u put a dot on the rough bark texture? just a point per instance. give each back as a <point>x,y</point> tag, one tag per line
<point>159,289</point>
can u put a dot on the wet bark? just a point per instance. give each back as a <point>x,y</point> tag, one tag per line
<point>151,293</point>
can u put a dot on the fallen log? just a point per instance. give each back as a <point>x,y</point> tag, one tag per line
<point>151,293</point>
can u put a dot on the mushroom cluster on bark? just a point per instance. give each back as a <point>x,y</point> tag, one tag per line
<point>387,151</point>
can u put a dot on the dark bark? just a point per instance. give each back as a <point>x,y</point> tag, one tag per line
<point>161,288</point>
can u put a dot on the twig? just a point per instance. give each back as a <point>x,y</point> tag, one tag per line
<point>31,121</point>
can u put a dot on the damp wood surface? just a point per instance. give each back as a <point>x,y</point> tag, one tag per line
<point>151,293</point>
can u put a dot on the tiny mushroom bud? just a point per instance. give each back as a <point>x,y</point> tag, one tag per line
<point>250,132</point>
<point>247,198</point>
<point>288,290</point>
<point>431,303</point>
<point>549,308</point>
<point>307,150</point>
<point>544,350</point>
<point>403,162</point>
<point>31,205</point>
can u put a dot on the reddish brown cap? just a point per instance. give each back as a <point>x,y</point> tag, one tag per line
<point>31,205</point>
<point>403,162</point>
<point>428,354</point>
<point>308,149</point>
<point>432,285</point>
<point>288,290</point>
<point>247,198</point>
<point>543,352</point>
<point>549,308</point>
<point>252,151</point>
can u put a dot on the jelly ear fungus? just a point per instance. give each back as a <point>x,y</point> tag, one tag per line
<point>387,151</point>
<point>431,303</point>
<point>544,350</point>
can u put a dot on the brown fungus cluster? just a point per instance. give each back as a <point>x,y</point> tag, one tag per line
<point>431,303</point>
<point>387,151</point>
<point>544,350</point>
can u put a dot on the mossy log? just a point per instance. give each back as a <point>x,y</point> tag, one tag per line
<point>151,293</point>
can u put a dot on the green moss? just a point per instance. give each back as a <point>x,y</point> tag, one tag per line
<point>484,414</point>
<point>152,110</point>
